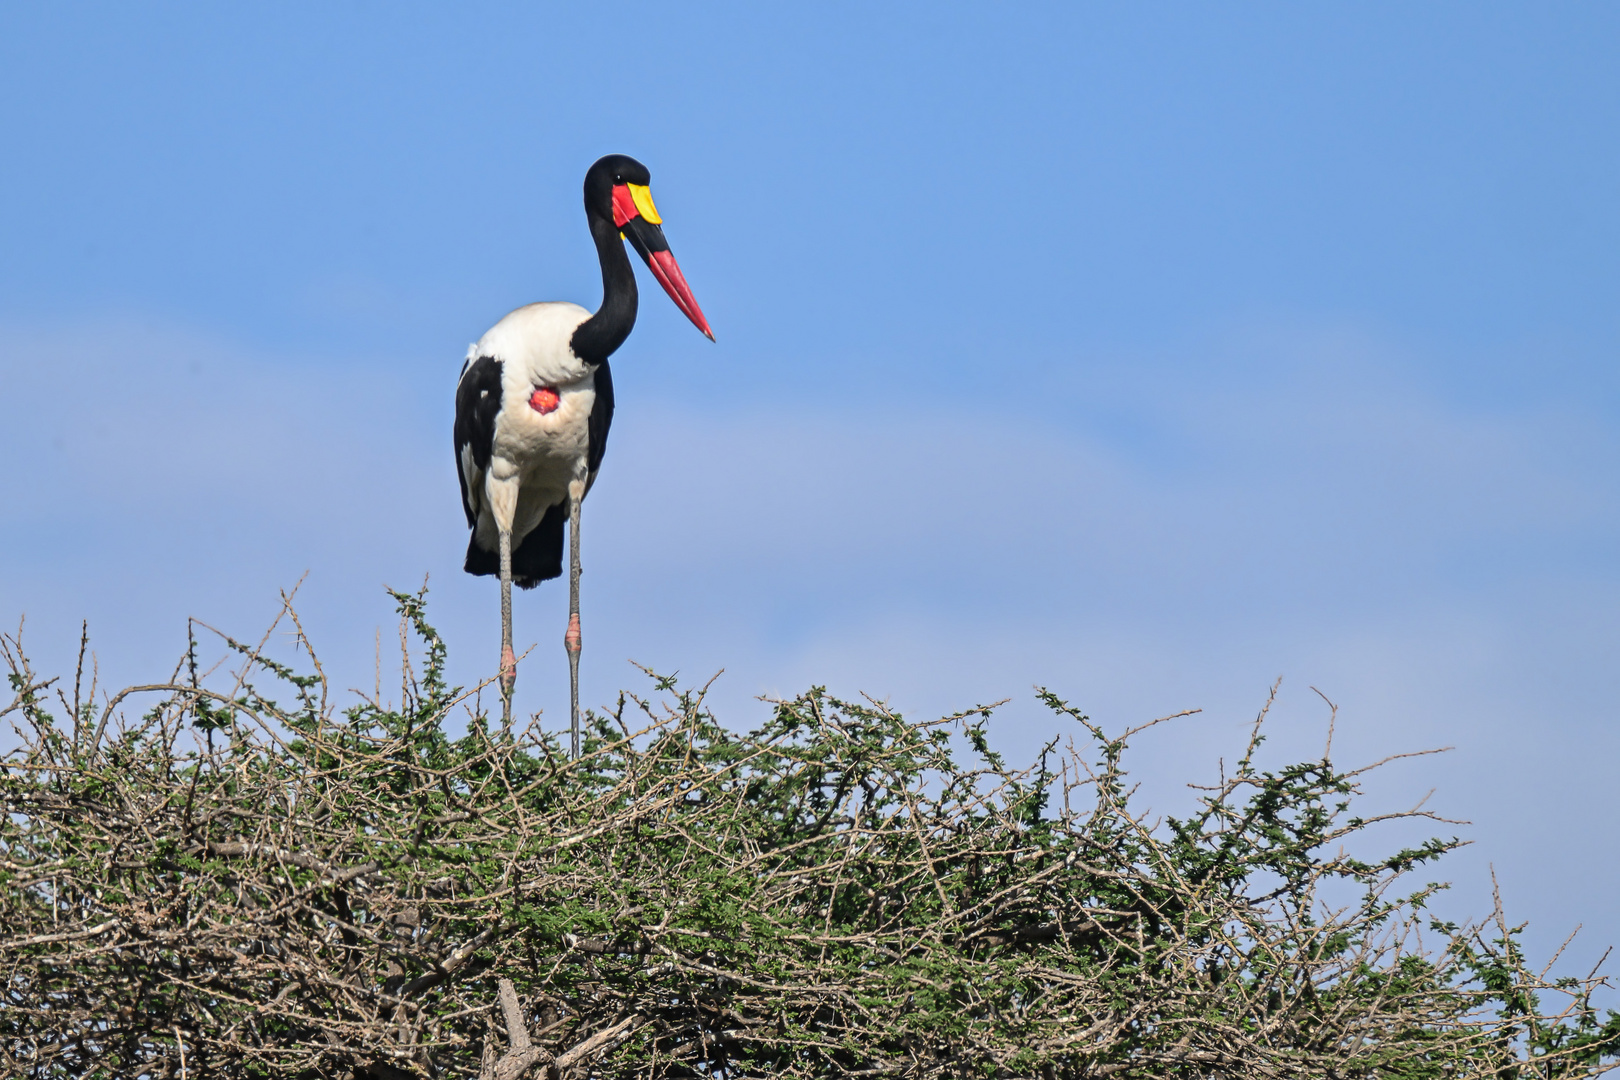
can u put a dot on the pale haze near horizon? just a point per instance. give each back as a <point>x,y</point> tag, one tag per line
<point>1146,353</point>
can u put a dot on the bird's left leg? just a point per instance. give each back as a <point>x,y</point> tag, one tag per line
<point>571,640</point>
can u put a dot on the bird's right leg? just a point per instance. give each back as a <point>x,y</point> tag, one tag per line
<point>508,658</point>
<point>501,487</point>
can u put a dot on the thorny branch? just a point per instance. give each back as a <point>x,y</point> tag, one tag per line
<point>232,886</point>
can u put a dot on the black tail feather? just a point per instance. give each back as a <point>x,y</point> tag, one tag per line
<point>538,558</point>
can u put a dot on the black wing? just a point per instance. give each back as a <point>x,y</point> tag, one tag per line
<point>601,418</point>
<point>478,402</point>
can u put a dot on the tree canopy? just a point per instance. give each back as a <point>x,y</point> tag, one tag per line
<point>244,879</point>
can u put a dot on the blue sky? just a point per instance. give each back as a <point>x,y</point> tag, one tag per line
<point>1146,352</point>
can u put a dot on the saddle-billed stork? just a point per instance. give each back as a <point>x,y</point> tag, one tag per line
<point>534,404</point>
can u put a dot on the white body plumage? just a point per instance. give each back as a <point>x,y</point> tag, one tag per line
<point>535,456</point>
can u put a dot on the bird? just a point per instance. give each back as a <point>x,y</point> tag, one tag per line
<point>534,403</point>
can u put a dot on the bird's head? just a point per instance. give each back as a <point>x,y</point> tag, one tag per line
<point>617,190</point>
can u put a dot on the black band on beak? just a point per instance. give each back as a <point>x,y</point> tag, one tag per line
<point>645,237</point>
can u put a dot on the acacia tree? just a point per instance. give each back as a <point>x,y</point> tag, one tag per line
<point>245,881</point>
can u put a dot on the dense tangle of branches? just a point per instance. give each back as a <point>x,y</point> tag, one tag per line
<point>225,885</point>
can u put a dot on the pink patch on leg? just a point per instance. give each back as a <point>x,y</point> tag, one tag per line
<point>545,400</point>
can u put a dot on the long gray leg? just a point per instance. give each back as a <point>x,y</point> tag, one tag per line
<point>508,659</point>
<point>571,640</point>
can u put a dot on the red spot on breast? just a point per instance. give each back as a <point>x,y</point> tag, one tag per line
<point>545,400</point>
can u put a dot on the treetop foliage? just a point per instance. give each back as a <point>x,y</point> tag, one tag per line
<point>245,880</point>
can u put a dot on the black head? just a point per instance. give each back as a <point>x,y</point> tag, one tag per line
<point>609,172</point>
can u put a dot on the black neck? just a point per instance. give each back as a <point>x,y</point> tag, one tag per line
<point>598,336</point>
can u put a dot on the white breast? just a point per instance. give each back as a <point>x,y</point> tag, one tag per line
<point>535,454</point>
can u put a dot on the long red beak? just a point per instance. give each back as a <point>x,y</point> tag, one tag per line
<point>647,237</point>
<point>669,275</point>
